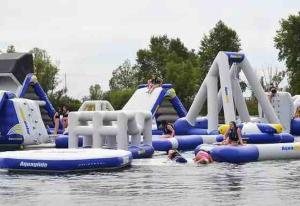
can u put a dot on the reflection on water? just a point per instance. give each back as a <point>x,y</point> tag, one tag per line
<point>160,182</point>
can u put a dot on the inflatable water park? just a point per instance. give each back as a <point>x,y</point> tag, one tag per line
<point>101,138</point>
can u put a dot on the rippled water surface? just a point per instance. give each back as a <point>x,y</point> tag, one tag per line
<point>159,182</point>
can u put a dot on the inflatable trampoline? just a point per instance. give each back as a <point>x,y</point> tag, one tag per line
<point>64,160</point>
<point>252,153</point>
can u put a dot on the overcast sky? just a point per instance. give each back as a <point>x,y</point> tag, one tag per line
<point>91,38</point>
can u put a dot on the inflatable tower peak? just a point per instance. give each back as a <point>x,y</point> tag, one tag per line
<point>16,76</point>
<point>13,70</point>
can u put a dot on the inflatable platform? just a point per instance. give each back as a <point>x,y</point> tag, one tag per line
<point>64,160</point>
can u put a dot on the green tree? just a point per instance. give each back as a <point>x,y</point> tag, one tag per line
<point>59,99</point>
<point>183,76</point>
<point>124,77</point>
<point>45,70</point>
<point>11,49</point>
<point>287,41</point>
<point>220,38</point>
<point>118,98</point>
<point>161,50</point>
<point>95,92</point>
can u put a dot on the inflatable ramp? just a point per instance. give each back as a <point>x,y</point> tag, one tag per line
<point>31,89</point>
<point>162,102</point>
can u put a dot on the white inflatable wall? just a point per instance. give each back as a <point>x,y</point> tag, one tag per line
<point>283,106</point>
<point>29,116</point>
<point>110,128</point>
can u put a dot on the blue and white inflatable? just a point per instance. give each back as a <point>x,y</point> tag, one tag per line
<point>64,160</point>
<point>183,142</point>
<point>261,133</point>
<point>295,126</point>
<point>252,153</point>
<point>20,121</point>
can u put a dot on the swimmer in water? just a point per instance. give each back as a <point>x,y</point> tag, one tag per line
<point>176,156</point>
<point>203,157</point>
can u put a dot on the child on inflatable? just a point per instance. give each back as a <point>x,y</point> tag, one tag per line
<point>273,92</point>
<point>153,83</point>
<point>168,129</point>
<point>297,113</point>
<point>56,120</point>
<point>65,114</point>
<point>233,135</point>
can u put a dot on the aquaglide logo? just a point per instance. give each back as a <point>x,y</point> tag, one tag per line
<point>33,164</point>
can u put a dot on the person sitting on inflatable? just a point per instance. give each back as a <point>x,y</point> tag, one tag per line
<point>233,135</point>
<point>153,83</point>
<point>169,131</point>
<point>297,113</point>
<point>56,120</point>
<point>203,157</point>
<point>65,114</point>
<point>176,156</point>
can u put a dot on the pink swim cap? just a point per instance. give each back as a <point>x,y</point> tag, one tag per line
<point>202,154</point>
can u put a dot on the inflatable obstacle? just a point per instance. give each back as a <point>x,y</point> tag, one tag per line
<point>64,160</point>
<point>252,153</point>
<point>163,103</point>
<point>20,122</point>
<point>110,129</point>
<point>261,133</point>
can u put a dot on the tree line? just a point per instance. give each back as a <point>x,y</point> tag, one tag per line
<point>169,59</point>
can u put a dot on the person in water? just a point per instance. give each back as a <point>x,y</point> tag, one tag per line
<point>203,157</point>
<point>233,135</point>
<point>153,83</point>
<point>168,130</point>
<point>174,155</point>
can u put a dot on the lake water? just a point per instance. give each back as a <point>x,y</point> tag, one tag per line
<point>157,181</point>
